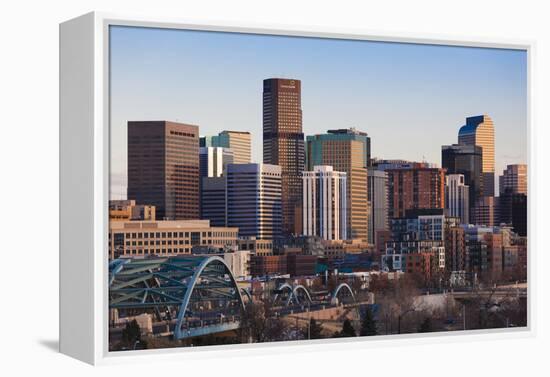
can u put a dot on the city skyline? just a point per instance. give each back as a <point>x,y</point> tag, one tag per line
<point>298,230</point>
<point>364,91</point>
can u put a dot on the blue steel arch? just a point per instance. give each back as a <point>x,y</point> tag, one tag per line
<point>183,309</point>
<point>247,294</point>
<point>281,288</point>
<point>295,293</point>
<point>169,283</point>
<point>337,290</point>
<point>292,293</point>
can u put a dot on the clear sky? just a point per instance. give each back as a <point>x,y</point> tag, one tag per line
<point>409,98</point>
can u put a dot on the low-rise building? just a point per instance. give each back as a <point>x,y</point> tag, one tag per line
<point>239,263</point>
<point>262,265</point>
<point>256,246</point>
<point>166,238</point>
<point>128,210</point>
<point>484,250</point>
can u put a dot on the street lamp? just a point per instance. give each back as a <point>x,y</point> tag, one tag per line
<point>399,319</point>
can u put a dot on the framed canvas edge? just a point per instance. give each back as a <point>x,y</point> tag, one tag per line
<point>102,22</point>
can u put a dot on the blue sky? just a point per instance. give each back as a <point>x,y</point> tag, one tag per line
<point>410,98</point>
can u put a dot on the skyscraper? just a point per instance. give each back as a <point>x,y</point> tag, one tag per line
<point>254,200</point>
<point>512,210</point>
<point>214,160</point>
<point>465,160</point>
<point>163,168</point>
<point>213,200</point>
<point>324,203</point>
<point>486,211</point>
<point>283,143</point>
<point>479,131</point>
<point>378,198</point>
<point>238,141</point>
<point>420,186</point>
<point>513,179</point>
<point>456,197</point>
<point>346,151</point>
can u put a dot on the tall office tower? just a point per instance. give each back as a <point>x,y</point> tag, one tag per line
<point>457,203</point>
<point>486,211</point>
<point>513,179</point>
<point>283,143</point>
<point>238,141</point>
<point>254,200</point>
<point>163,168</point>
<point>416,187</point>
<point>346,151</point>
<point>512,210</point>
<point>213,200</point>
<point>378,195</point>
<point>214,160</point>
<point>465,160</point>
<point>324,203</point>
<point>480,131</point>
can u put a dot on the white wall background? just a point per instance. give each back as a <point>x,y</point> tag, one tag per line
<point>29,184</point>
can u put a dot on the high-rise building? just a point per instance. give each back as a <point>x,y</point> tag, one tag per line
<point>213,165</point>
<point>513,211</point>
<point>213,200</point>
<point>346,151</point>
<point>283,143</point>
<point>513,179</point>
<point>324,203</point>
<point>456,197</point>
<point>465,160</point>
<point>213,160</point>
<point>486,211</point>
<point>254,200</point>
<point>238,141</point>
<point>480,131</point>
<point>416,187</point>
<point>378,198</point>
<point>163,168</point>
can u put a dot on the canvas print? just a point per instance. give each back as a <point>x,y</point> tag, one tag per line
<point>268,188</point>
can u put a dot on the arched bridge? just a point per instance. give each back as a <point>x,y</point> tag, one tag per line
<point>292,294</point>
<point>288,295</point>
<point>195,295</point>
<point>342,294</point>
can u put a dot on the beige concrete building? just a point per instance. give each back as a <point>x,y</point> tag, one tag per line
<point>239,263</point>
<point>166,238</point>
<point>336,249</point>
<point>239,142</point>
<point>256,246</point>
<point>128,210</point>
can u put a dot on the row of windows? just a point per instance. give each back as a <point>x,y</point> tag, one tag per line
<point>172,242</point>
<point>176,234</point>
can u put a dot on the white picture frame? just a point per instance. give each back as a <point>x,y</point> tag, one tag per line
<point>84,185</point>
